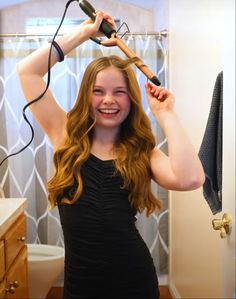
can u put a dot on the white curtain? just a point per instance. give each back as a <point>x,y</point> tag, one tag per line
<point>26,174</point>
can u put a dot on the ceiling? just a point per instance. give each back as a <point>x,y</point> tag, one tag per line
<point>148,4</point>
<point>4,4</point>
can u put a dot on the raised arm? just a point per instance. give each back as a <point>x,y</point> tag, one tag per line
<point>51,117</point>
<point>181,169</point>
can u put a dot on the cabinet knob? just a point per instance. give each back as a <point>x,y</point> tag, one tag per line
<point>22,239</point>
<point>12,287</point>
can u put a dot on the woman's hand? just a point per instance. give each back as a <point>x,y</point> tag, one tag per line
<point>92,27</point>
<point>159,99</point>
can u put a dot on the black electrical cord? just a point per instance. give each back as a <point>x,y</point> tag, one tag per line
<point>43,93</point>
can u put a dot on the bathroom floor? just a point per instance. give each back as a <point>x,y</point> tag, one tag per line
<point>56,293</point>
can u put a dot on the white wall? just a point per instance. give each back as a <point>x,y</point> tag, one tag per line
<point>161,15</point>
<point>196,57</point>
<point>12,19</point>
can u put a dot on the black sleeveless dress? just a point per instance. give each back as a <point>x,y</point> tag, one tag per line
<point>105,256</point>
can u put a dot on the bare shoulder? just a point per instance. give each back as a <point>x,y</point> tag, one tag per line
<point>156,154</point>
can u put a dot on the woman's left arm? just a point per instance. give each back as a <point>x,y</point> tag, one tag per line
<point>181,170</point>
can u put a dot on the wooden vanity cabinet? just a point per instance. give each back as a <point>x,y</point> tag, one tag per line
<point>13,261</point>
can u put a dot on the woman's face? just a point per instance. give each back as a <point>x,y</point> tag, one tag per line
<point>110,102</point>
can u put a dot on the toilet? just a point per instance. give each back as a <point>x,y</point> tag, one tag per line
<point>45,264</point>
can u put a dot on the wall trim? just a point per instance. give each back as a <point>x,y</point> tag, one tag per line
<point>173,290</point>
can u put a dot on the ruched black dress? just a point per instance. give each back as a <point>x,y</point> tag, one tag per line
<point>105,256</point>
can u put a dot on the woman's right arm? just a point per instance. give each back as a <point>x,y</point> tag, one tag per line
<point>50,116</point>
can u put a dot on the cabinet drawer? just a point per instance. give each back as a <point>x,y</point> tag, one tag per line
<point>2,260</point>
<point>15,240</point>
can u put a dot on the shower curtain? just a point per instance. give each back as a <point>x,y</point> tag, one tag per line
<point>26,174</point>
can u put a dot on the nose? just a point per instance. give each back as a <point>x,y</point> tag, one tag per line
<point>108,98</point>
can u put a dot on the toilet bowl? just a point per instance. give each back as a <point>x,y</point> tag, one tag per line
<point>45,264</point>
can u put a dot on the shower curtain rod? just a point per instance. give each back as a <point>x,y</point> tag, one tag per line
<point>162,33</point>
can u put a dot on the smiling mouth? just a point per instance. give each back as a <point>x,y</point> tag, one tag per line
<point>109,111</point>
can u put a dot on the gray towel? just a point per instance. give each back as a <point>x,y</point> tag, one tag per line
<point>210,152</point>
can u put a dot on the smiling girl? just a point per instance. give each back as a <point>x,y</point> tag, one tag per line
<point>105,158</point>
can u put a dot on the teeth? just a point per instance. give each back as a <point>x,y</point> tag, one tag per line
<point>108,111</point>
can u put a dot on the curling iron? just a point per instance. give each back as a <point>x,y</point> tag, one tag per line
<point>114,40</point>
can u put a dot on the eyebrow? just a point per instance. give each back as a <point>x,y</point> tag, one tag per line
<point>116,87</point>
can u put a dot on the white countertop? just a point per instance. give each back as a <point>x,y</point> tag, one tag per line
<point>10,210</point>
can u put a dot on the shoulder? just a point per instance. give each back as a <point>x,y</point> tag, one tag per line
<point>160,168</point>
<point>156,154</point>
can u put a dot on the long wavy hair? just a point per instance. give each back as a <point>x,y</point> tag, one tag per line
<point>133,146</point>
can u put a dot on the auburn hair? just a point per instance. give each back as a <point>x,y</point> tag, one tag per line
<point>133,146</point>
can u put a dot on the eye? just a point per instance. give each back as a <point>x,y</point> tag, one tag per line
<point>97,91</point>
<point>120,91</point>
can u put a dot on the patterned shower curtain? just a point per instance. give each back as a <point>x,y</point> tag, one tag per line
<point>26,174</point>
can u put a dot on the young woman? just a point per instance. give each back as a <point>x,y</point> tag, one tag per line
<point>105,158</point>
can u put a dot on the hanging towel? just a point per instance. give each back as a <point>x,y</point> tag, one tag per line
<point>210,152</point>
